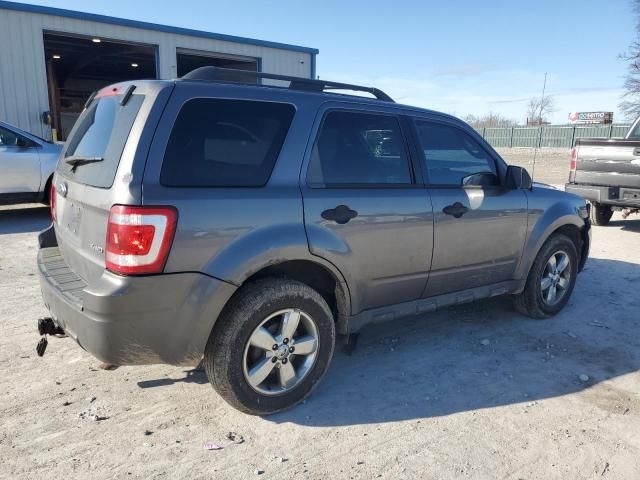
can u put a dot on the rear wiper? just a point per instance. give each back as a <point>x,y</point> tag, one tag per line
<point>75,161</point>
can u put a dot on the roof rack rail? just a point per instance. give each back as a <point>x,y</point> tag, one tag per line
<point>217,74</point>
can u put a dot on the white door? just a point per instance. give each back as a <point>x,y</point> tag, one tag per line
<point>19,163</point>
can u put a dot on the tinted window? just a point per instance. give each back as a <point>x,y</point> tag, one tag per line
<point>359,148</point>
<point>451,154</point>
<point>8,138</point>
<point>225,143</point>
<point>100,132</point>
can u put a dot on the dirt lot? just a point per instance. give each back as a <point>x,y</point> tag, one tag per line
<point>470,392</point>
<point>552,165</point>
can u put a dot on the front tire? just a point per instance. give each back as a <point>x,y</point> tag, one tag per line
<point>551,279</point>
<point>600,214</point>
<point>271,346</point>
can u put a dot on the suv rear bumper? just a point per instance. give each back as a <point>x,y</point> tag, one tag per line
<point>614,196</point>
<point>133,320</point>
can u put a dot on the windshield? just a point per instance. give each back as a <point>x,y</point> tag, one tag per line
<point>635,132</point>
<point>100,132</point>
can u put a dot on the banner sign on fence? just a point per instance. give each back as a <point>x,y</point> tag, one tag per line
<point>591,117</point>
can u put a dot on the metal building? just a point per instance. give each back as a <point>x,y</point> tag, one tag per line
<point>52,59</point>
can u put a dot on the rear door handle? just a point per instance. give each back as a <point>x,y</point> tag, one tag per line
<point>636,151</point>
<point>457,210</point>
<point>341,214</point>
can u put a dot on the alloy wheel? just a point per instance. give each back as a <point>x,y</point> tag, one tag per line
<point>280,352</point>
<point>556,278</point>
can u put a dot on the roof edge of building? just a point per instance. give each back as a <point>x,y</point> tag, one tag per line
<point>94,17</point>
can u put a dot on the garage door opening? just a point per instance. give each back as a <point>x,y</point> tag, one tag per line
<point>77,66</point>
<point>190,60</point>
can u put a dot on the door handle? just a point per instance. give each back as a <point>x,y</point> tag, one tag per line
<point>341,214</point>
<point>457,210</point>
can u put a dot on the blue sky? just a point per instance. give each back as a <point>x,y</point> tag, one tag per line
<point>458,56</point>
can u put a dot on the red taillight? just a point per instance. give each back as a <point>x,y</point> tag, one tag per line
<point>52,201</point>
<point>574,158</point>
<point>139,239</point>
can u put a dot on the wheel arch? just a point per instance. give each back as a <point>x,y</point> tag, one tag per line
<point>558,219</point>
<point>327,282</point>
<point>315,273</point>
<point>282,251</point>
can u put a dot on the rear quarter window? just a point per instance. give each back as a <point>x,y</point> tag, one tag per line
<point>100,132</point>
<point>225,143</point>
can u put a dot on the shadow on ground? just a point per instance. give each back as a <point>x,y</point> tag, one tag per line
<point>438,365</point>
<point>24,220</point>
<point>632,224</point>
<point>196,375</point>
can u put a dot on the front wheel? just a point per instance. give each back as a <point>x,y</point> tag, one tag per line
<point>600,214</point>
<point>551,279</point>
<point>271,346</point>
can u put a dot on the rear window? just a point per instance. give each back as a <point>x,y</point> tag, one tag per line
<point>225,143</point>
<point>100,133</point>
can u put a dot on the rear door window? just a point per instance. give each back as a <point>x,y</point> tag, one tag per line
<point>101,132</point>
<point>225,143</point>
<point>359,149</point>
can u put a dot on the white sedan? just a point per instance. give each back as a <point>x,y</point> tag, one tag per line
<point>27,163</point>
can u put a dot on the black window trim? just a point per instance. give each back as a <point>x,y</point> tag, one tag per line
<point>496,163</point>
<point>220,187</point>
<point>404,132</point>
<point>30,143</point>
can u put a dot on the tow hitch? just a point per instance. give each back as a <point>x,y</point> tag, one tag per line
<point>46,326</point>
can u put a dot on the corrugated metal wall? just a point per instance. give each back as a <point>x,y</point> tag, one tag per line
<point>23,78</point>
<point>552,136</point>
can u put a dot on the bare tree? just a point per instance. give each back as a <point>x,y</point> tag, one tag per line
<point>490,119</point>
<point>538,109</point>
<point>630,104</point>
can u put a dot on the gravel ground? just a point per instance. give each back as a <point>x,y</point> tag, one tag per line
<point>552,164</point>
<point>475,391</point>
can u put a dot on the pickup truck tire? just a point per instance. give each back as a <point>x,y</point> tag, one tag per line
<point>600,214</point>
<point>532,301</point>
<point>239,348</point>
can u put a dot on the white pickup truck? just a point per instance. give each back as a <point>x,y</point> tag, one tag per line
<point>27,163</point>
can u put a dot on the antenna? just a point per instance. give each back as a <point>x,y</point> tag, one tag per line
<point>535,151</point>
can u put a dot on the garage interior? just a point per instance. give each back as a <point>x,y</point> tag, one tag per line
<point>188,60</point>
<point>80,65</point>
<point>77,66</point>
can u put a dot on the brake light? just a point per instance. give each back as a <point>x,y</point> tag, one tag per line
<point>139,239</point>
<point>574,158</point>
<point>52,201</point>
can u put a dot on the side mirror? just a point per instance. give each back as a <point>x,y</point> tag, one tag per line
<point>518,178</point>
<point>483,179</point>
<point>47,118</point>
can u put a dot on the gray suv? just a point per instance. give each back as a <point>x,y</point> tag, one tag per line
<point>245,225</point>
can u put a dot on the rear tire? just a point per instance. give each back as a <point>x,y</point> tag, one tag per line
<point>239,347</point>
<point>536,300</point>
<point>600,214</point>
